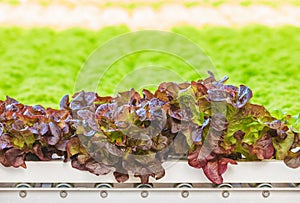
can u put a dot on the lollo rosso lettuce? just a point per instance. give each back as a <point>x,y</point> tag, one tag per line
<point>207,122</point>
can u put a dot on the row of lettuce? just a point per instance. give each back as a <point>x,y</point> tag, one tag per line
<point>206,122</point>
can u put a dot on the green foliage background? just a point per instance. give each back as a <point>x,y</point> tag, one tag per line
<point>40,65</point>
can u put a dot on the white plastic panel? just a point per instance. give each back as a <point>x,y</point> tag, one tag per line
<point>150,195</point>
<point>176,172</point>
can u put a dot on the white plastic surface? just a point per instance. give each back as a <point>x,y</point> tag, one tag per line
<point>176,172</point>
<point>149,195</point>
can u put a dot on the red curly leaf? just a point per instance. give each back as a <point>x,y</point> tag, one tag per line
<point>211,170</point>
<point>15,157</point>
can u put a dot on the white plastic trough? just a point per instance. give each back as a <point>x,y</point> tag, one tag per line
<point>274,172</point>
<point>176,172</point>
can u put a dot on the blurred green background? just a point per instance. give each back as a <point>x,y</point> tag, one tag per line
<point>40,65</point>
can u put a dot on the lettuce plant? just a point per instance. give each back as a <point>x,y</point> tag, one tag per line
<point>206,122</point>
